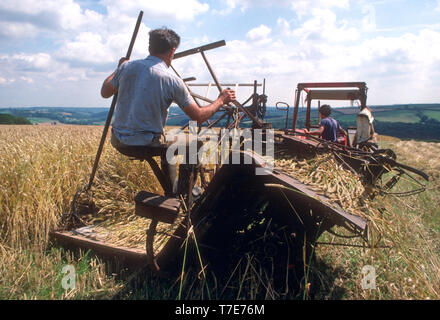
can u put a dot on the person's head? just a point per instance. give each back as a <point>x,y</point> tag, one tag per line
<point>325,110</point>
<point>163,43</point>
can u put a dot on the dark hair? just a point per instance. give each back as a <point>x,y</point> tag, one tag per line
<point>162,40</point>
<point>325,110</point>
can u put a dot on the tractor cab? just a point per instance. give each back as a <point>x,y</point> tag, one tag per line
<point>334,91</point>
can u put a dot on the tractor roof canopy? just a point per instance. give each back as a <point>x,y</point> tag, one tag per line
<point>329,91</point>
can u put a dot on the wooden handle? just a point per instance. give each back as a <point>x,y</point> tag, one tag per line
<point>113,105</point>
<point>133,37</point>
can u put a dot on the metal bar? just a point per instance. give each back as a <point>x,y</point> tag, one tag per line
<point>295,108</point>
<point>217,120</point>
<point>309,105</point>
<point>224,84</point>
<point>250,115</point>
<point>254,100</point>
<point>113,105</point>
<point>214,77</point>
<point>236,121</point>
<point>332,85</point>
<point>319,202</point>
<point>249,99</point>
<point>186,85</point>
<point>195,95</point>
<point>149,244</point>
<point>210,46</point>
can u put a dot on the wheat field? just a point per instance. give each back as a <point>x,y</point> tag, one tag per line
<point>41,168</point>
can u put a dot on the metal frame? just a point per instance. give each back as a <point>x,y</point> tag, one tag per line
<point>238,106</point>
<point>308,88</point>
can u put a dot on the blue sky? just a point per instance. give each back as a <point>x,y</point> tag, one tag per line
<point>57,53</point>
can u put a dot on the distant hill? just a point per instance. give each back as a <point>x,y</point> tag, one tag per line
<point>405,121</point>
<point>10,119</point>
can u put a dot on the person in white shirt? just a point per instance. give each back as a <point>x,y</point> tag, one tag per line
<point>365,133</point>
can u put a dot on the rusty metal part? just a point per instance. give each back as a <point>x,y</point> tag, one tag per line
<point>319,203</point>
<point>153,206</point>
<point>210,46</point>
<point>151,232</point>
<point>135,257</point>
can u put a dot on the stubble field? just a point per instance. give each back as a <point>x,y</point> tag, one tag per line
<point>41,168</point>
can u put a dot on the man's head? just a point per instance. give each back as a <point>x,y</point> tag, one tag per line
<point>163,43</point>
<point>325,110</point>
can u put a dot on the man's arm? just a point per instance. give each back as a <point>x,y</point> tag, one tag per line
<point>315,133</point>
<point>107,89</point>
<point>342,131</point>
<point>202,114</point>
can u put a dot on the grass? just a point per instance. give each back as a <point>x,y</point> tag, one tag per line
<point>410,268</point>
<point>386,116</point>
<point>434,114</point>
<point>41,167</point>
<point>38,120</point>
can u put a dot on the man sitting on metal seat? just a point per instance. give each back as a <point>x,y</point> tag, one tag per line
<point>329,128</point>
<point>146,88</point>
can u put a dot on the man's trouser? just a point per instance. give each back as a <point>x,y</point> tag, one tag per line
<point>158,147</point>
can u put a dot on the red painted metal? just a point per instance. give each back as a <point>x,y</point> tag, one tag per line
<point>362,86</point>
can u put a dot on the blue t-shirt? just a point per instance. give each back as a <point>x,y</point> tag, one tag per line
<point>146,89</point>
<point>330,129</point>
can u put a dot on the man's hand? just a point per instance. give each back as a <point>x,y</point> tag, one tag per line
<point>122,60</point>
<point>202,114</point>
<point>227,96</point>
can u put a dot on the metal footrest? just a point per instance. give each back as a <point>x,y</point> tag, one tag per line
<point>156,207</point>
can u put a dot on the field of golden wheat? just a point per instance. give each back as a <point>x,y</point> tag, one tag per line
<point>41,168</point>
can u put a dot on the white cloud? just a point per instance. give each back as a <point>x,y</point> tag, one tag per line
<point>17,30</point>
<point>87,47</point>
<point>28,18</point>
<point>302,7</point>
<point>322,48</point>
<point>88,38</point>
<point>180,10</point>
<point>284,27</point>
<point>27,79</point>
<point>369,20</point>
<point>400,69</point>
<point>323,26</point>
<point>244,5</point>
<point>26,62</point>
<point>230,6</point>
<point>259,33</point>
<point>45,15</point>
